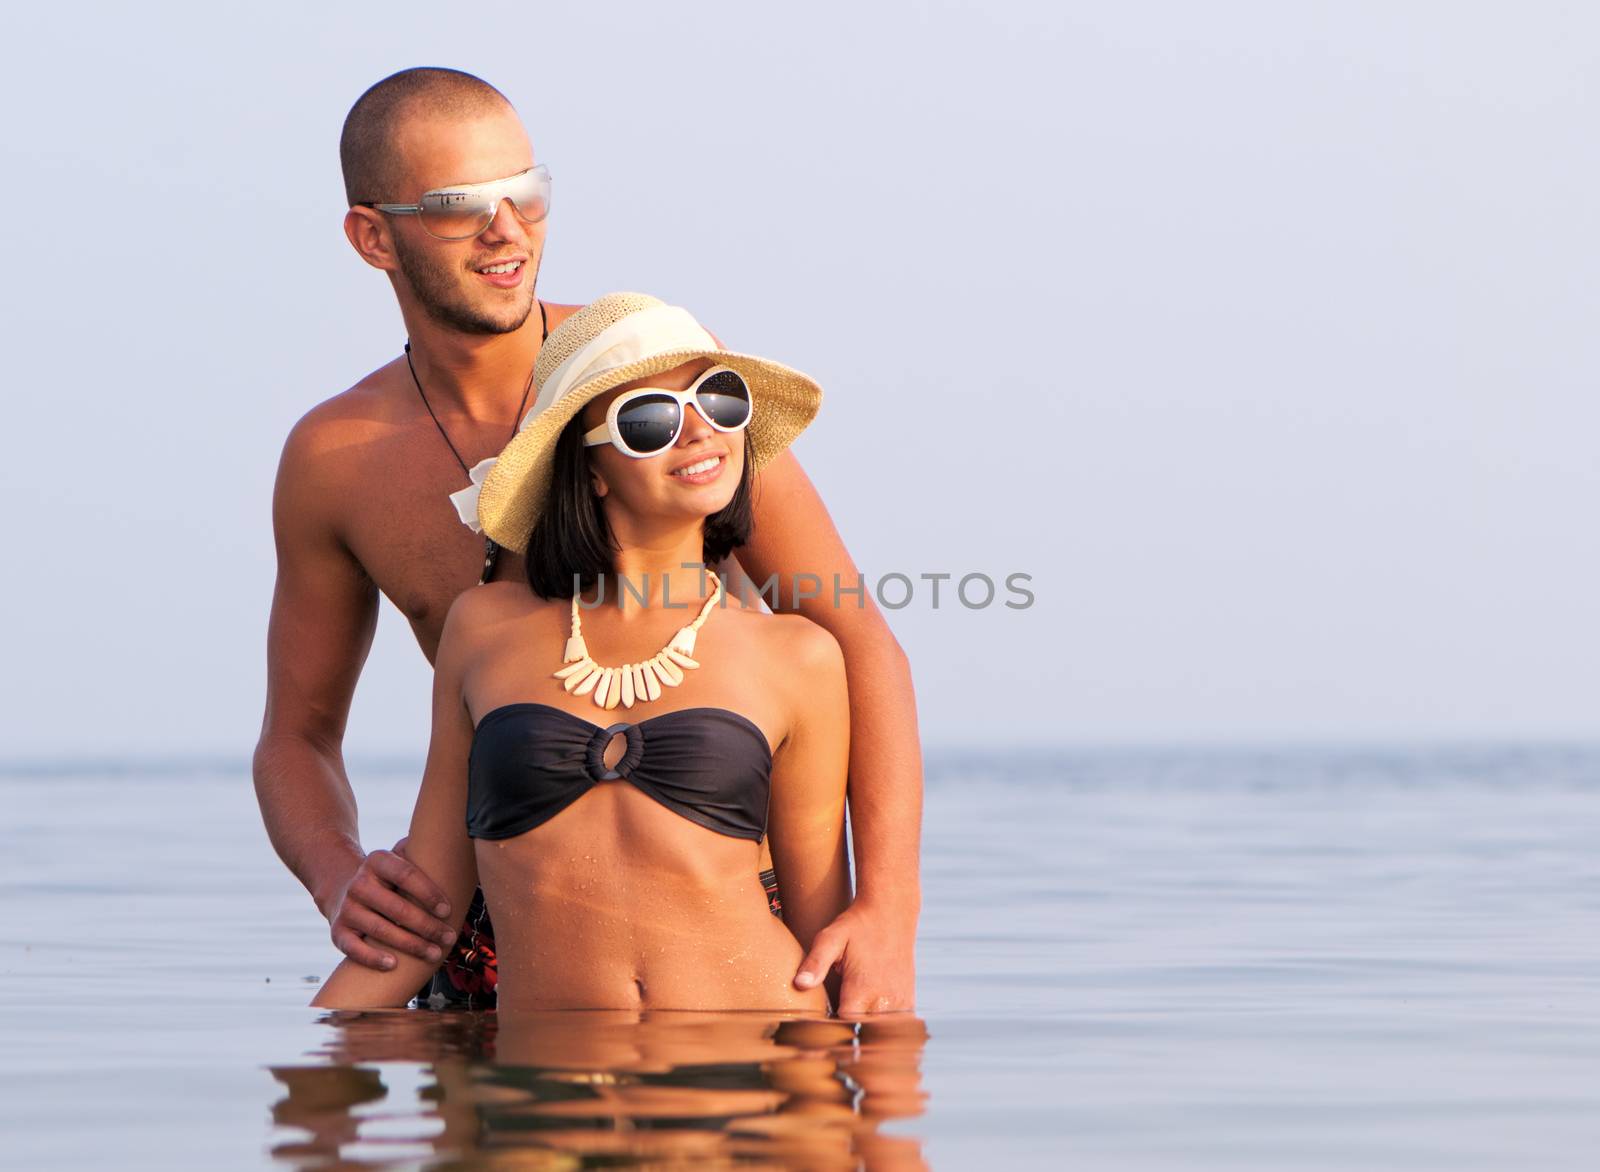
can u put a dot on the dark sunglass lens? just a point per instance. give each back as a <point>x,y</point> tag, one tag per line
<point>725,398</point>
<point>649,423</point>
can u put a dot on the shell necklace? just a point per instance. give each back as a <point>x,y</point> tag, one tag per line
<point>633,683</point>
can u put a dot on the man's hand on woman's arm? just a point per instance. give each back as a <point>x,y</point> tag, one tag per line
<point>324,611</point>
<point>390,905</point>
<point>874,940</point>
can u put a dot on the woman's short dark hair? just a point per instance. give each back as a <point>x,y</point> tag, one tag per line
<point>572,545</point>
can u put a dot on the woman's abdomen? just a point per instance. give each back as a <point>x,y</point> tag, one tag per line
<point>627,905</point>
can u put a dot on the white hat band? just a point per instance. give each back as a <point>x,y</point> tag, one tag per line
<point>659,330</point>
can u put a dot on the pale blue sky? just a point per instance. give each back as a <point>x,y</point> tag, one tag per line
<point>1261,335</point>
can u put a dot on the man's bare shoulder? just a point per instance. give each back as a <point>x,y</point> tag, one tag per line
<point>348,417</point>
<point>317,474</point>
<point>556,313</point>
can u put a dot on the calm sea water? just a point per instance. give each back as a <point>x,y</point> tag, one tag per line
<point>1384,959</point>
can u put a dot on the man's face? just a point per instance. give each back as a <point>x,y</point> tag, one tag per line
<point>448,277</point>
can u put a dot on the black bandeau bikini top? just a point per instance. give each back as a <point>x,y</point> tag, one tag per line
<point>530,761</point>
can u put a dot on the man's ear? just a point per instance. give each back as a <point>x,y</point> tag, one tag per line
<point>368,233</point>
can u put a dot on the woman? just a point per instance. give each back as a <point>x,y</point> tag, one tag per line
<point>611,798</point>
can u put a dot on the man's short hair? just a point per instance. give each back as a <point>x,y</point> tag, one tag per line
<point>367,153</point>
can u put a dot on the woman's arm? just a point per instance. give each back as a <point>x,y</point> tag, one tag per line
<point>805,819</point>
<point>438,841</point>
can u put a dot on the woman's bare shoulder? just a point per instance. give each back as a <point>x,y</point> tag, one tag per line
<point>792,638</point>
<point>803,669</point>
<point>484,612</point>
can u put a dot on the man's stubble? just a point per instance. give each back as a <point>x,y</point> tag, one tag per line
<point>443,300</point>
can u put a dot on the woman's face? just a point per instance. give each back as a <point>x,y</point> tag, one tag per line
<point>694,478</point>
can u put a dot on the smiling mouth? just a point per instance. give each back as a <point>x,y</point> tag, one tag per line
<point>509,266</point>
<point>700,470</point>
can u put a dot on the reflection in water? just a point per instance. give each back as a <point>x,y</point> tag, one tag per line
<point>613,1088</point>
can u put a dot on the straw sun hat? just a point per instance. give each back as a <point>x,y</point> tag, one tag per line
<point>615,340</point>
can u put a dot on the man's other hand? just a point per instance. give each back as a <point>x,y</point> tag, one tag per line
<point>874,947</point>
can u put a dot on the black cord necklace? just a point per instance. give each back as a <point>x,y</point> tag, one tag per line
<point>491,549</point>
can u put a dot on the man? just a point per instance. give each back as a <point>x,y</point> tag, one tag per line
<point>361,507</point>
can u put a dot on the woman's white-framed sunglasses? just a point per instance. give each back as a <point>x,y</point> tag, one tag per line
<point>647,420</point>
<point>464,211</point>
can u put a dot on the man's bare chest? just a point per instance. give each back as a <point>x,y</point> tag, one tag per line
<point>403,529</point>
